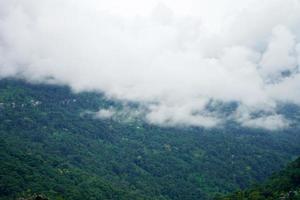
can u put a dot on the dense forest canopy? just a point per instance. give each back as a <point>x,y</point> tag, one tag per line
<point>51,144</point>
<point>149,100</point>
<point>282,185</point>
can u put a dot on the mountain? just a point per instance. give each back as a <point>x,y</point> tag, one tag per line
<point>282,185</point>
<point>52,144</point>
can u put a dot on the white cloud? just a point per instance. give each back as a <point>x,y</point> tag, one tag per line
<point>280,54</point>
<point>169,55</point>
<point>266,119</point>
<point>287,90</point>
<point>273,122</point>
<point>105,113</point>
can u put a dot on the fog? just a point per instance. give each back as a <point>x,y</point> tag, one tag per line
<point>173,57</point>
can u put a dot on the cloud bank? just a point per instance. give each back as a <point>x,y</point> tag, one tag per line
<point>174,57</point>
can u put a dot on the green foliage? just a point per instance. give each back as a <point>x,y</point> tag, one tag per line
<point>282,185</point>
<point>47,146</point>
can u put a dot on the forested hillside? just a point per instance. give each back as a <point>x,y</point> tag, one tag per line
<point>282,185</point>
<point>49,145</point>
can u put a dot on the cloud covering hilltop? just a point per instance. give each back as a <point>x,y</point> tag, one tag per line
<point>175,57</point>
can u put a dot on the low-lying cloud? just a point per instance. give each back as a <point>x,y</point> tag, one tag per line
<point>173,57</point>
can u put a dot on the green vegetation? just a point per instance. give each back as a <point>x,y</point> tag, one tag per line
<point>48,147</point>
<point>282,185</point>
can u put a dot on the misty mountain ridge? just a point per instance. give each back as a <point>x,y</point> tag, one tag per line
<point>149,100</point>
<point>172,58</point>
<point>51,145</point>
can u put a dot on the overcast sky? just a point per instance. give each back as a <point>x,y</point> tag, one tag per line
<point>173,56</point>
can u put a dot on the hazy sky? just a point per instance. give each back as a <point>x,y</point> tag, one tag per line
<point>173,56</point>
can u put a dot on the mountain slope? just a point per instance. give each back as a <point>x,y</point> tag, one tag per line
<point>282,185</point>
<point>49,146</point>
